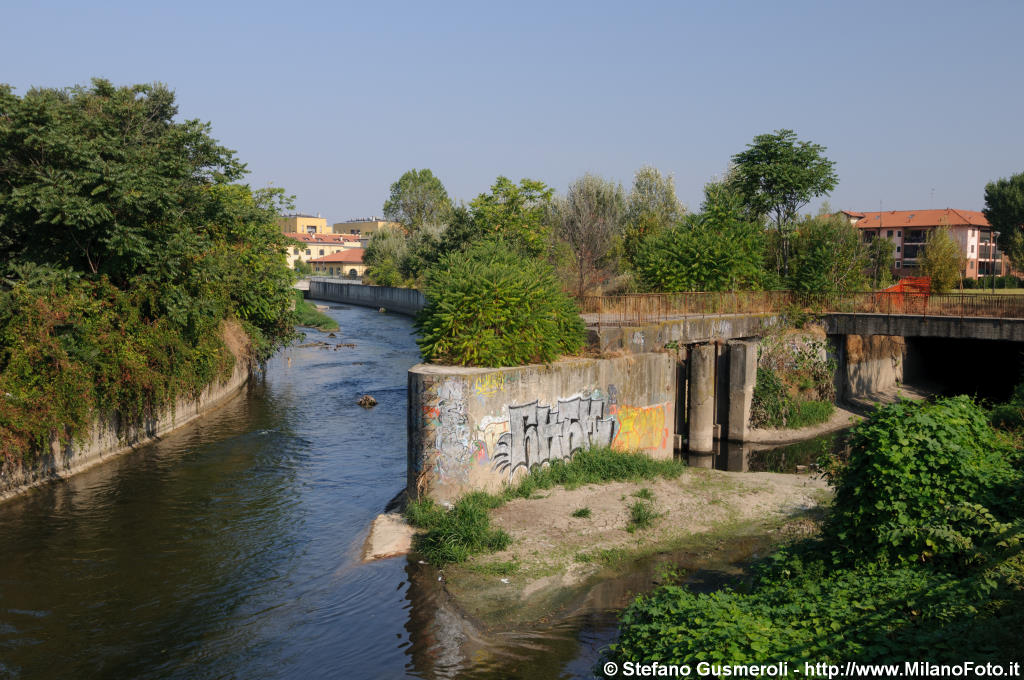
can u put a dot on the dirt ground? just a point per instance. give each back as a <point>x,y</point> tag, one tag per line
<point>554,554</point>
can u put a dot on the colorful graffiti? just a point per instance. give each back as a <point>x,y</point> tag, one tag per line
<point>641,427</point>
<point>538,434</point>
<point>489,384</point>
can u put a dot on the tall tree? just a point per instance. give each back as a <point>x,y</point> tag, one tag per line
<point>1004,210</point>
<point>881,257</point>
<point>589,222</point>
<point>777,175</point>
<point>418,198</point>
<point>652,207</point>
<point>518,213</point>
<point>941,260</point>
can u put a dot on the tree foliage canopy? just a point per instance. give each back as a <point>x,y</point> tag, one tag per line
<point>589,220</point>
<point>778,174</point>
<point>517,213</point>
<point>941,260</point>
<point>1004,210</point>
<point>652,207</point>
<point>418,198</point>
<point>828,257</point>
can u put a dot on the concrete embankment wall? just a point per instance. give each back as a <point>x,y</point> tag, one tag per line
<point>696,329</point>
<point>109,438</point>
<point>401,300</point>
<point>477,428</point>
<point>868,364</point>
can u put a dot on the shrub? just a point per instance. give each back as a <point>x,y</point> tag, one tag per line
<point>457,534</point>
<point>488,306</point>
<point>919,481</point>
<point>806,413</point>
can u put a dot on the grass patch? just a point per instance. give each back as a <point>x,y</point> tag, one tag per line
<point>804,413</point>
<point>306,314</point>
<point>495,568</point>
<point>455,534</point>
<point>641,516</point>
<point>644,493</point>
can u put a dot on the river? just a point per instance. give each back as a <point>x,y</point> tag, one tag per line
<point>231,548</point>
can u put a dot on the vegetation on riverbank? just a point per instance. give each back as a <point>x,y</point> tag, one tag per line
<point>134,268</point>
<point>920,559</point>
<point>794,387</point>
<point>455,534</point>
<point>306,314</point>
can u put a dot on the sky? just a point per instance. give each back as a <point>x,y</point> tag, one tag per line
<point>919,104</point>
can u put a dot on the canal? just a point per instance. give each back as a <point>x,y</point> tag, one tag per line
<point>231,549</point>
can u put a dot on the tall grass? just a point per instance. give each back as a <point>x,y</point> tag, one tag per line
<point>457,533</point>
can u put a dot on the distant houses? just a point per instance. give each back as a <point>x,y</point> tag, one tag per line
<point>335,250</point>
<point>909,229</point>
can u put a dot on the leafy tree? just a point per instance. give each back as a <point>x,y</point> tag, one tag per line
<point>777,175</point>
<point>828,257</point>
<point>881,258</point>
<point>489,306</point>
<point>1004,210</point>
<point>385,257</point>
<point>716,249</point>
<point>941,260</point>
<point>652,207</point>
<point>589,220</point>
<point>303,269</point>
<point>418,198</point>
<point>517,213</point>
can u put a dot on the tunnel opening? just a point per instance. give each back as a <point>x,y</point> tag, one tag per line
<point>986,369</point>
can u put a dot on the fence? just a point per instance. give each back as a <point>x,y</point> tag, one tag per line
<point>634,310</point>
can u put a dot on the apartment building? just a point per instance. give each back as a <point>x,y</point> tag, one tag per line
<point>364,226</point>
<point>342,264</point>
<point>308,247</point>
<point>909,229</point>
<point>302,224</point>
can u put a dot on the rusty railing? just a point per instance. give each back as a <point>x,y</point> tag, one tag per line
<point>634,310</point>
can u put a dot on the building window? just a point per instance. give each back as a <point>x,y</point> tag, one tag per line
<point>897,264</point>
<point>972,247</point>
<point>321,252</point>
<point>331,271</point>
<point>889,235</point>
<point>295,250</point>
<point>897,249</point>
<point>899,233</point>
<point>351,273</point>
<point>308,251</point>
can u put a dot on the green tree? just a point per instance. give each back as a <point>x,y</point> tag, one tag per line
<point>1004,210</point>
<point>385,257</point>
<point>881,258</point>
<point>828,257</point>
<point>517,213</point>
<point>418,198</point>
<point>777,175</point>
<point>652,207</point>
<point>589,220</point>
<point>716,249</point>
<point>941,260</point>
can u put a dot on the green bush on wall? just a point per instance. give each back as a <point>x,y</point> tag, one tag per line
<point>489,306</point>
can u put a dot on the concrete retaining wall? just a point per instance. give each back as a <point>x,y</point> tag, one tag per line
<point>696,329</point>
<point>401,300</point>
<point>109,438</point>
<point>869,364</point>
<point>477,428</point>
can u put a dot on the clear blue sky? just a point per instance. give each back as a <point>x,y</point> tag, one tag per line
<point>334,101</point>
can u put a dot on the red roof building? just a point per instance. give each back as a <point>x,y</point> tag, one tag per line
<point>342,264</point>
<point>909,230</point>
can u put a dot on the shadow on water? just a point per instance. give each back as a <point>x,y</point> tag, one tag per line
<point>789,458</point>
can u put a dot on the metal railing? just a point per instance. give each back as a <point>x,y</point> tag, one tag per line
<point>634,310</point>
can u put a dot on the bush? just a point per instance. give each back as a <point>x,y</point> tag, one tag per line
<point>488,306</point>
<point>919,482</point>
<point>457,534</point>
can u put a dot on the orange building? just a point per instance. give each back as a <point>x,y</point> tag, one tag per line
<point>312,246</point>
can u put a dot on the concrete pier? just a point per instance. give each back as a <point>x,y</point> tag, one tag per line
<point>702,398</point>
<point>742,377</point>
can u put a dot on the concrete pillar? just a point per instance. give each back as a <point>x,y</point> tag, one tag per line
<point>742,376</point>
<point>702,398</point>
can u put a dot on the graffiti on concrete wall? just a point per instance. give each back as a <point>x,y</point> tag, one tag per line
<point>444,431</point>
<point>538,434</point>
<point>641,427</point>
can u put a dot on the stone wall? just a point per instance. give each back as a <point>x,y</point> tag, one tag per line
<point>478,428</point>
<point>401,300</point>
<point>695,329</point>
<point>109,438</point>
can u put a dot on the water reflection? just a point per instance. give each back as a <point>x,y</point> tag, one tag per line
<point>789,458</point>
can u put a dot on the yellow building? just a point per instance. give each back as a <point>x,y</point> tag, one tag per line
<point>364,227</point>
<point>302,224</point>
<point>307,247</point>
<point>346,264</point>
